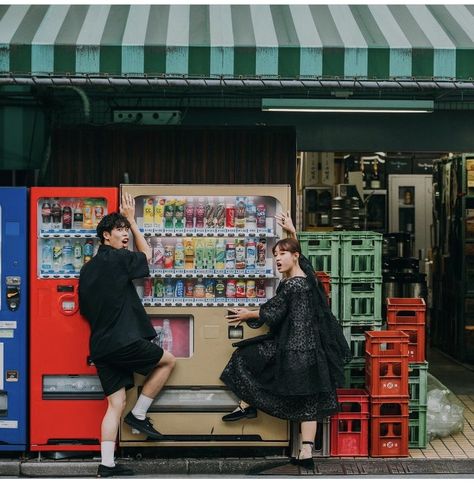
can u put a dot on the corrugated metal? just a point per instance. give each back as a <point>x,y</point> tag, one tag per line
<point>235,41</point>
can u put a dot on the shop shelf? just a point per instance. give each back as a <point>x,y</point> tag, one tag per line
<point>361,300</point>
<point>418,383</point>
<point>322,249</point>
<point>354,373</point>
<point>417,431</point>
<point>387,377</point>
<point>361,255</point>
<point>389,436</point>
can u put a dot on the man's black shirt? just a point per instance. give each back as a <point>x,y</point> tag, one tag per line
<point>109,301</point>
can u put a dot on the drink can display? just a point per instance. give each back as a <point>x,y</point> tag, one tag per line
<point>260,288</point>
<point>251,290</point>
<point>261,216</point>
<point>230,289</point>
<point>67,217</point>
<point>147,287</point>
<point>230,256</point>
<point>179,288</point>
<point>46,215</point>
<point>159,288</point>
<point>240,288</point>
<point>220,288</point>
<point>199,289</point>
<point>99,212</point>
<point>169,288</point>
<point>169,256</point>
<point>230,215</point>
<point>189,288</point>
<point>250,254</point>
<point>262,253</point>
<point>240,254</point>
<point>210,289</point>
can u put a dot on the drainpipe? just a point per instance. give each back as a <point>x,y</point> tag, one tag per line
<point>85,100</point>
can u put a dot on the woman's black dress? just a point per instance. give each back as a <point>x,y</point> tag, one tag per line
<point>294,373</point>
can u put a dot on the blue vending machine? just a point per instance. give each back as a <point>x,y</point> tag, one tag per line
<point>13,313</point>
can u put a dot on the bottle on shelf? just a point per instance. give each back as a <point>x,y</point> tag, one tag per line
<point>188,253</point>
<point>210,291</point>
<point>179,254</point>
<point>240,254</point>
<point>159,288</point>
<point>99,211</point>
<point>87,221</point>
<point>179,214</point>
<point>262,253</point>
<point>251,213</point>
<point>46,215</point>
<point>169,256</point>
<point>179,289</point>
<point>210,253</point>
<point>199,253</point>
<point>77,256</point>
<point>240,215</point>
<point>56,214</point>
<point>209,212</point>
<point>169,214</point>
<point>200,212</point>
<point>250,254</point>
<point>47,256</point>
<point>220,288</point>
<point>57,255</point>
<point>230,256</point>
<point>88,250</point>
<point>375,181</point>
<point>78,216</point>
<point>230,215</point>
<point>158,253</point>
<point>159,212</point>
<point>67,256</point>
<point>261,216</point>
<point>220,217</point>
<point>189,213</point>
<point>364,174</point>
<point>220,255</point>
<point>67,216</point>
<point>167,340</point>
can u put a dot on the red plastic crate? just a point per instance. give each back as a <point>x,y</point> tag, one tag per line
<point>350,435</point>
<point>386,343</point>
<point>325,279</point>
<point>352,401</point>
<point>416,341</point>
<point>410,310</point>
<point>389,436</point>
<point>387,376</point>
<point>392,407</point>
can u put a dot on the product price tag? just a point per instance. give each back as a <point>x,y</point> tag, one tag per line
<point>8,424</point>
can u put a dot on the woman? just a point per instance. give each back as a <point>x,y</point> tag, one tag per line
<point>292,372</point>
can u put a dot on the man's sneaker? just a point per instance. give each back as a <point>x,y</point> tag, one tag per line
<point>143,426</point>
<point>118,470</point>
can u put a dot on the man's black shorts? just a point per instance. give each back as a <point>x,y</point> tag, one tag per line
<point>116,369</point>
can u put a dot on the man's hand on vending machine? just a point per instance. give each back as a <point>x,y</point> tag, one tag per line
<point>127,207</point>
<point>241,314</point>
<point>285,222</point>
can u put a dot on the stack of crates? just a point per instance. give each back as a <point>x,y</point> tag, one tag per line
<point>409,315</point>
<point>386,379</point>
<point>350,426</point>
<point>361,296</point>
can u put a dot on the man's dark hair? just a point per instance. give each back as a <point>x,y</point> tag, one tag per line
<point>111,221</point>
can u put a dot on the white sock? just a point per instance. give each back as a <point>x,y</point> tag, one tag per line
<point>141,407</point>
<point>107,449</point>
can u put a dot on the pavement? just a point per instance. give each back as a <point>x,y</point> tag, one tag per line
<point>453,455</point>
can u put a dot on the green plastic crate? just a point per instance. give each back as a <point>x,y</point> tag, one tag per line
<point>418,383</point>
<point>417,435</point>
<point>361,255</point>
<point>361,299</point>
<point>322,249</point>
<point>355,336</point>
<point>335,297</point>
<point>354,373</point>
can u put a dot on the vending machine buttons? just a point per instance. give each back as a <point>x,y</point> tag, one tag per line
<point>13,292</point>
<point>236,332</point>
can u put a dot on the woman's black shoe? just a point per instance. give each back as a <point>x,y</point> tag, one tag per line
<point>240,413</point>
<point>306,463</point>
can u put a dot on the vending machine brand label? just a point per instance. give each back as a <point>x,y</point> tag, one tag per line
<point>8,325</point>
<point>8,424</point>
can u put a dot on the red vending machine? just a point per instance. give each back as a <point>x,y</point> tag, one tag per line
<point>67,403</point>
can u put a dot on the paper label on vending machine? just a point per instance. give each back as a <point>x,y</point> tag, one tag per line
<point>8,325</point>
<point>8,424</point>
<point>6,333</point>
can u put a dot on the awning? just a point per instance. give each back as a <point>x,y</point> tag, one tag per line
<point>239,41</point>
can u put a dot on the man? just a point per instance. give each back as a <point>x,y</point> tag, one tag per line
<point>121,333</point>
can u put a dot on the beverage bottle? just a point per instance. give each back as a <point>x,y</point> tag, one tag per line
<point>78,216</point>
<point>159,213</point>
<point>87,220</point>
<point>67,217</point>
<point>188,253</point>
<point>169,288</point>
<point>240,209</point>
<point>251,213</point>
<point>230,289</point>
<point>159,288</point>
<point>200,212</point>
<point>209,212</point>
<point>169,256</point>
<point>167,341</point>
<point>220,288</point>
<point>210,291</point>
<point>230,256</point>
<point>67,256</point>
<point>230,215</point>
<point>240,288</point>
<point>47,256</point>
<point>240,254</point>
<point>57,255</point>
<point>199,262</point>
<point>158,254</point>
<point>219,220</point>
<point>147,287</point>
<point>46,215</point>
<point>88,250</point>
<point>260,288</point>
<point>99,211</point>
<point>179,288</point>
<point>148,212</point>
<point>179,214</point>
<point>261,216</point>
<point>179,254</point>
<point>250,289</point>
<point>210,253</point>
<point>199,289</point>
<point>56,213</point>
<point>220,255</point>
<point>189,288</point>
<point>251,254</point>
<point>169,214</point>
<point>77,256</point>
<point>262,253</point>
<point>189,213</point>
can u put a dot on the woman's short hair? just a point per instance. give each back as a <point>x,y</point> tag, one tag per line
<point>111,221</point>
<point>289,245</point>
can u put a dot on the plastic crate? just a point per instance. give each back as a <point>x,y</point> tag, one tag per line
<point>352,401</point>
<point>389,407</point>
<point>361,299</point>
<point>386,343</point>
<point>325,280</point>
<point>354,374</point>
<point>389,436</point>
<point>350,435</point>
<point>417,430</point>
<point>387,377</point>
<point>322,249</point>
<point>361,255</point>
<point>418,383</point>
<point>355,336</point>
<point>335,299</point>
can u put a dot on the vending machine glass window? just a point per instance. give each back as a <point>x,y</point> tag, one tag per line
<point>175,334</point>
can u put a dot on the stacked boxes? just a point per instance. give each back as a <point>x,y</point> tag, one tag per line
<point>386,379</point>
<point>409,316</point>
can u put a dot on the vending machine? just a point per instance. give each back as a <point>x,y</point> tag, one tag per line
<point>13,319</point>
<point>211,251</point>
<point>67,403</point>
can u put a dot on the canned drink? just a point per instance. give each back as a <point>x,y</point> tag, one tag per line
<point>220,288</point>
<point>230,215</point>
<point>199,289</point>
<point>147,287</point>
<point>240,288</point>
<point>261,216</point>
<point>98,212</point>
<point>189,288</point>
<point>210,289</point>
<point>230,289</point>
<point>251,291</point>
<point>262,253</point>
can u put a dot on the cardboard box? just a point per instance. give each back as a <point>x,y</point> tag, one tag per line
<point>318,169</point>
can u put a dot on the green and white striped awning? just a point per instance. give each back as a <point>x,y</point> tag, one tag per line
<point>239,41</point>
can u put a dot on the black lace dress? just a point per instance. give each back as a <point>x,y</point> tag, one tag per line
<point>294,373</point>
